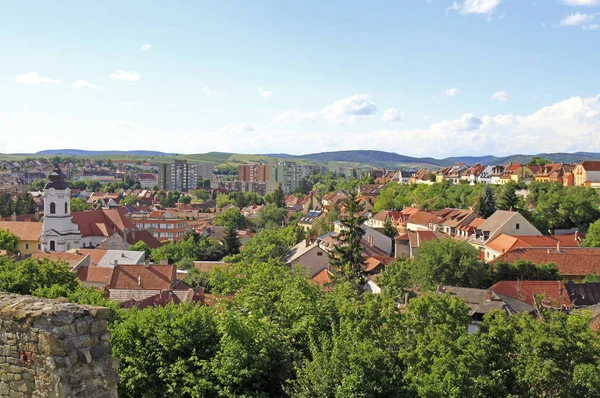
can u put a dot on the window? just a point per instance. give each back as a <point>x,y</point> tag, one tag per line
<point>319,254</point>
<point>517,226</point>
<point>66,208</point>
<point>52,208</point>
<point>26,245</point>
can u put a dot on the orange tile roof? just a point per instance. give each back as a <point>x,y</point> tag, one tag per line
<point>29,231</point>
<point>371,264</point>
<point>323,277</point>
<point>157,277</point>
<point>591,165</point>
<point>556,294</point>
<point>95,274</point>
<point>71,258</point>
<point>422,218</point>
<point>96,255</point>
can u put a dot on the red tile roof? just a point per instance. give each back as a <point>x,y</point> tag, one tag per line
<point>95,274</point>
<point>29,231</point>
<point>572,262</point>
<point>556,294</point>
<point>157,277</point>
<point>591,165</point>
<point>102,222</point>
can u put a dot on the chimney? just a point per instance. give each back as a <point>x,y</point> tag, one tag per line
<point>558,246</point>
<point>115,263</point>
<point>164,261</point>
<point>139,280</point>
<point>488,295</point>
<point>147,262</point>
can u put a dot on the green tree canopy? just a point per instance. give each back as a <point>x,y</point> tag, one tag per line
<point>8,241</point>
<point>78,204</point>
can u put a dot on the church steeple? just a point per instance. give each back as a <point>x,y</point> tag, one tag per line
<point>59,233</point>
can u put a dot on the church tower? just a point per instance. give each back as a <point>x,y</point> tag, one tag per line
<point>59,232</point>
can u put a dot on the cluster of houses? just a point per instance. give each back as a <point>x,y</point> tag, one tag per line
<point>586,173</point>
<point>96,243</point>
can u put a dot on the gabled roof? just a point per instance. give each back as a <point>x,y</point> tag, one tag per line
<point>26,231</point>
<point>482,301</point>
<point>73,259</point>
<point>504,243</point>
<point>591,165</point>
<point>157,277</point>
<point>570,261</point>
<point>416,238</point>
<point>323,277</point>
<point>310,217</point>
<point>102,222</point>
<point>422,218</point>
<point>555,292</point>
<point>100,275</point>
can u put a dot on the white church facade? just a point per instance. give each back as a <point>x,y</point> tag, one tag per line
<point>59,232</point>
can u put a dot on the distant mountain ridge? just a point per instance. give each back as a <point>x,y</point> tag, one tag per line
<point>363,157</point>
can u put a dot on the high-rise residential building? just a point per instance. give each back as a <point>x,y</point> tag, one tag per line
<point>254,172</point>
<point>179,175</point>
<point>288,174</point>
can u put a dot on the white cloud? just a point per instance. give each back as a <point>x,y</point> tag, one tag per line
<point>588,3</point>
<point>212,92</point>
<point>592,27</point>
<point>426,117</point>
<point>35,78</point>
<point>129,103</point>
<point>146,47</point>
<point>392,115</point>
<point>576,19</point>
<point>349,110</point>
<point>475,6</point>
<point>500,96</point>
<point>126,75</point>
<point>84,84</point>
<point>122,124</point>
<point>451,92</point>
<point>266,94</point>
<point>237,128</point>
<point>295,116</point>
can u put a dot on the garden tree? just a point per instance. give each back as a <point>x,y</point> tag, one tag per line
<point>28,205</point>
<point>130,200</point>
<point>521,356</point>
<point>224,200</point>
<point>194,247</point>
<point>141,246</point>
<point>538,161</point>
<point>277,197</point>
<point>231,218</point>
<point>79,204</point>
<point>185,199</point>
<point>450,262</point>
<point>508,199</point>
<point>29,275</point>
<point>395,279</point>
<point>356,356</point>
<point>8,241</point>
<point>201,194</point>
<point>231,241</point>
<point>524,270</point>
<point>196,279</point>
<point>487,203</point>
<point>347,257</point>
<point>38,184</point>
<point>324,224</point>
<point>6,205</point>
<point>388,229</point>
<point>591,278</point>
<point>268,244</point>
<point>304,186</point>
<point>271,216</point>
<point>428,334</point>
<point>173,346</point>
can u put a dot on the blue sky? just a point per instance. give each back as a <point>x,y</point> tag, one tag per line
<point>436,78</point>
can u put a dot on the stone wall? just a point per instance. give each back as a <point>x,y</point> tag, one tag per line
<point>50,348</point>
